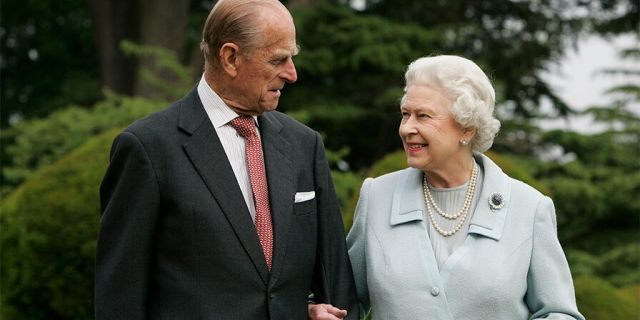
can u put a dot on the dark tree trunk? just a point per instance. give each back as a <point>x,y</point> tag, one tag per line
<point>160,23</point>
<point>163,23</point>
<point>114,21</point>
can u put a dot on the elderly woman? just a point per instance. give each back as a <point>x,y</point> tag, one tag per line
<point>454,237</point>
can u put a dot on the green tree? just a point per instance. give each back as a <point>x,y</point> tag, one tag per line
<point>57,53</point>
<point>145,23</point>
<point>596,179</point>
<point>352,62</point>
<point>350,77</point>
<point>33,143</point>
<point>614,17</point>
<point>47,58</point>
<point>513,40</point>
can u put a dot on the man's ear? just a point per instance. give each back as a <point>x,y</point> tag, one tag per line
<point>230,58</point>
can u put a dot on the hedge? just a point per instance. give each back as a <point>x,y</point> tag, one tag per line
<point>49,227</point>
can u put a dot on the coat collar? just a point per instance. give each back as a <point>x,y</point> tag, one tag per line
<point>191,114</point>
<point>489,220</point>
<point>408,199</point>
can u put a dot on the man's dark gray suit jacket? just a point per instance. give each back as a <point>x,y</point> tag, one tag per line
<point>176,239</point>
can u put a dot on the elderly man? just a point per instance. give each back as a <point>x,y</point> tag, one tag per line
<point>219,207</point>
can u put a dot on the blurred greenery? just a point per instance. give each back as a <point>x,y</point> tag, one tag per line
<point>32,144</point>
<point>164,60</point>
<point>599,300</point>
<point>49,227</point>
<point>55,148</point>
<point>48,60</point>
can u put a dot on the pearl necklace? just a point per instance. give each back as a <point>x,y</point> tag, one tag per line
<point>462,213</point>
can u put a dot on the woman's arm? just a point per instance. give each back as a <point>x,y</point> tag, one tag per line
<point>550,293</point>
<point>356,243</point>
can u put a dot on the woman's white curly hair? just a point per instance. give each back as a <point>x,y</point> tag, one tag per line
<point>467,86</point>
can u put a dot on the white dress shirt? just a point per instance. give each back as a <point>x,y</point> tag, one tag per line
<point>234,144</point>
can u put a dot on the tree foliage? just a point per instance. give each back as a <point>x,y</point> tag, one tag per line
<point>350,76</point>
<point>35,143</point>
<point>57,53</point>
<point>597,182</point>
<point>352,62</point>
<point>143,22</point>
<point>48,58</point>
<point>614,17</point>
<point>531,33</point>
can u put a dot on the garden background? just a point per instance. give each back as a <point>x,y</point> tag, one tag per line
<point>76,72</point>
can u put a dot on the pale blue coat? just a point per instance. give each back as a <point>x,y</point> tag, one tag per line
<point>510,266</point>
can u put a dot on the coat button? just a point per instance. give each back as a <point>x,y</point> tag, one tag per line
<point>435,291</point>
<point>271,295</point>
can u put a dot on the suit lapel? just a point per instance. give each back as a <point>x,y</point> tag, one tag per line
<point>279,167</point>
<point>208,157</point>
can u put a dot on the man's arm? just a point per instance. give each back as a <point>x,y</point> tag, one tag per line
<point>129,201</point>
<point>333,278</point>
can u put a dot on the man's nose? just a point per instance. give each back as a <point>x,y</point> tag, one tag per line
<point>289,73</point>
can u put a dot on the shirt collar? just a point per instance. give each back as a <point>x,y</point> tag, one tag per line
<point>219,113</point>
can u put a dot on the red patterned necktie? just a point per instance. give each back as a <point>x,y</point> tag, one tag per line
<point>246,127</point>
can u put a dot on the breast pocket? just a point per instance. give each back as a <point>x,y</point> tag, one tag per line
<point>305,207</point>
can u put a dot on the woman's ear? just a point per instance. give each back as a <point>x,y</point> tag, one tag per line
<point>468,134</point>
<point>229,58</point>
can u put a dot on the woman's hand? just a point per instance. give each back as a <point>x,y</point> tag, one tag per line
<point>325,312</point>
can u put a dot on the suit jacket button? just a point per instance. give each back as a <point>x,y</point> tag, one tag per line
<point>271,295</point>
<point>435,291</point>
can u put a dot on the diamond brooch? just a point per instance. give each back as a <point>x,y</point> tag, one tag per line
<point>496,201</point>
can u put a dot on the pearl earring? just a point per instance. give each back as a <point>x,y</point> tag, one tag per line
<point>464,142</point>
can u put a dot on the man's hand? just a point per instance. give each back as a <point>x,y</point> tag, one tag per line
<point>325,312</point>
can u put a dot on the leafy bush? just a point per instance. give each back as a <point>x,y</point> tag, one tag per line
<point>49,227</point>
<point>389,163</point>
<point>598,300</point>
<point>618,264</point>
<point>32,144</point>
<point>517,168</point>
<point>347,186</point>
